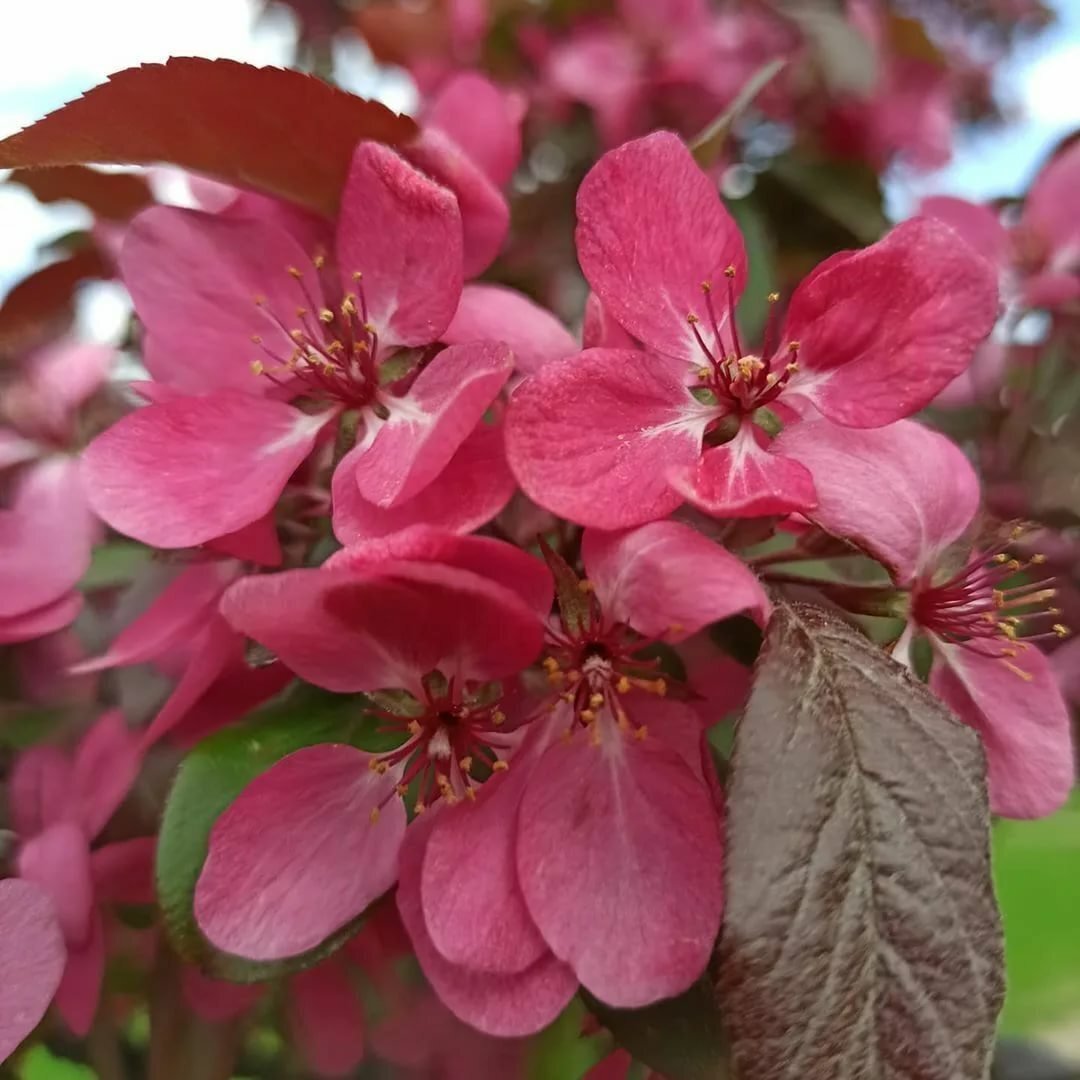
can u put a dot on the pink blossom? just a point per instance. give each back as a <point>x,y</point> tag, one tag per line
<point>413,619</point>
<point>59,804</point>
<point>614,438</point>
<point>600,847</point>
<point>353,332</point>
<point>908,496</point>
<point>47,530</point>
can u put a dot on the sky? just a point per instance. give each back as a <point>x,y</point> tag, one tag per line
<point>53,50</point>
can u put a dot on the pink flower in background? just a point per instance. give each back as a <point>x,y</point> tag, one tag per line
<point>907,496</point>
<point>59,804</point>
<point>342,331</point>
<point>614,437</point>
<point>430,621</point>
<point>600,847</point>
<point>47,529</point>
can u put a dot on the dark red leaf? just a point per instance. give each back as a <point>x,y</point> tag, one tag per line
<point>282,132</point>
<point>42,305</point>
<point>861,939</point>
<point>113,196</point>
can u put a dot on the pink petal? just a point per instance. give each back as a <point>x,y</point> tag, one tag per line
<point>195,277</point>
<point>1053,288</point>
<point>485,216</point>
<point>600,330</point>
<point>482,119</point>
<point>591,438</point>
<point>58,860</point>
<point>744,479</point>
<point>386,626</point>
<point>32,957</point>
<point>214,1000</point>
<point>469,871</point>
<point>39,789</point>
<point>885,329</point>
<point>1053,203</point>
<point>495,313</point>
<point>503,563</point>
<point>902,492</point>
<point>666,579</point>
<point>297,856</point>
<point>176,614</point>
<point>619,856</point>
<point>326,1019</point>
<point>651,229</point>
<point>80,989</point>
<point>216,646</point>
<point>1022,719</point>
<point>256,543</point>
<point>189,470</point>
<point>427,426</point>
<point>123,872</point>
<point>45,538</point>
<point>42,620</point>
<point>107,761</point>
<point>979,225</point>
<point>665,18</point>
<point>403,233</point>
<point>503,1005</point>
<point>14,449</point>
<point>67,374</point>
<point>474,486</point>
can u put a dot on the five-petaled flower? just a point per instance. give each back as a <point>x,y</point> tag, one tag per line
<point>616,437</point>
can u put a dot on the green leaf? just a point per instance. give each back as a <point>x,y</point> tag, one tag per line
<point>115,563</point>
<point>845,57</point>
<point>208,781</point>
<point>861,937</point>
<point>39,1063</point>
<point>560,1051</point>
<point>682,1037</point>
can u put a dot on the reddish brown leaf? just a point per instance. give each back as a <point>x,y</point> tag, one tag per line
<point>42,304</point>
<point>282,132</point>
<point>114,196</point>
<point>861,940</point>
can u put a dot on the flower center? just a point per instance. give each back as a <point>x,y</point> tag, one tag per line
<point>594,665</point>
<point>450,735</point>
<point>326,353</point>
<point>739,381</point>
<point>974,609</point>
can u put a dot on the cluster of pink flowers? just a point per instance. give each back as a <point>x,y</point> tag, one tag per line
<point>357,463</point>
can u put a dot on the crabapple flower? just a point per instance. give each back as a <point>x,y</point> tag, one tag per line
<point>354,336</point>
<point>32,958</point>
<point>47,530</point>
<point>600,847</point>
<point>907,496</point>
<point>59,804</point>
<point>613,437</point>
<point>312,842</point>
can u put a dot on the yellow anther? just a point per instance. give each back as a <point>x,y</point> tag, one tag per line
<point>1001,557</point>
<point>470,793</point>
<point>373,817</point>
<point>692,319</point>
<point>1008,630</point>
<point>585,585</point>
<point>465,764</point>
<point>298,336</point>
<point>500,766</point>
<point>623,685</point>
<point>420,807</point>
<point>256,339</point>
<point>642,733</point>
<point>567,696</point>
<point>773,297</point>
<point>318,261</point>
<point>257,367</point>
<point>326,316</point>
<point>549,663</point>
<point>1038,559</point>
<point>794,346</point>
<point>1060,629</point>
<point>704,373</point>
<point>706,286</point>
<point>791,368</point>
<point>556,678</point>
<point>498,717</point>
<point>402,789</point>
<point>301,312</point>
<point>348,305</point>
<point>376,765</point>
<point>596,701</point>
<point>357,276</point>
<point>335,346</point>
<point>1013,564</point>
<point>414,727</point>
<point>587,716</point>
<point>294,271</point>
<point>729,271</point>
<point>260,300</point>
<point>369,328</point>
